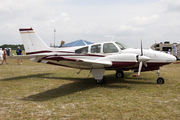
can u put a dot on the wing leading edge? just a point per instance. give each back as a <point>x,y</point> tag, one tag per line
<point>77,63</point>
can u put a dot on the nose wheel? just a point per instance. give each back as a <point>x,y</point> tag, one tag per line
<point>160,80</point>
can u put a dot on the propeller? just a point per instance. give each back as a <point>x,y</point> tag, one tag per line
<point>142,59</point>
<point>140,67</point>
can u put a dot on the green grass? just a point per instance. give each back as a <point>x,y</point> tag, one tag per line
<point>40,91</point>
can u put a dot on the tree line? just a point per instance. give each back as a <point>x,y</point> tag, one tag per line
<point>13,47</point>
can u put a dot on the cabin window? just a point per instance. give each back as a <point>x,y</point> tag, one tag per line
<point>109,48</point>
<point>82,50</point>
<point>96,48</point>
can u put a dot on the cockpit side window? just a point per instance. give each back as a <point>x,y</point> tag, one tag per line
<point>96,48</point>
<point>82,50</point>
<point>122,46</point>
<point>109,48</point>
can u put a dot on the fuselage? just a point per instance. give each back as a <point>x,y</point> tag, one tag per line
<point>121,57</point>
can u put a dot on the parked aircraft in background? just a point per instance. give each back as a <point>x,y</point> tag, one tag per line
<point>96,57</point>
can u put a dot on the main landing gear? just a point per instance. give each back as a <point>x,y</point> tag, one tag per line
<point>98,74</point>
<point>119,74</point>
<point>160,80</point>
<point>101,81</point>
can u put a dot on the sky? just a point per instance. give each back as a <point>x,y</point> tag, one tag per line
<point>128,21</point>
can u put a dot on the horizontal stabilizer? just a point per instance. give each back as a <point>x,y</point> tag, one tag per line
<point>25,56</point>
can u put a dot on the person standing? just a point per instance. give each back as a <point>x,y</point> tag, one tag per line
<point>1,56</point>
<point>5,56</point>
<point>19,52</point>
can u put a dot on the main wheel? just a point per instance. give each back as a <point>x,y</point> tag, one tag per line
<point>160,80</point>
<point>119,74</point>
<point>101,81</point>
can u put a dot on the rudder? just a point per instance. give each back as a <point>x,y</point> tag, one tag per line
<point>32,42</point>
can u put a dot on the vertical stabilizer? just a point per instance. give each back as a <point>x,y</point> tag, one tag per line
<point>32,42</point>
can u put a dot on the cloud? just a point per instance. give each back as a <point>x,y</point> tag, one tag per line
<point>171,5</point>
<point>144,21</point>
<point>127,20</point>
<point>123,28</point>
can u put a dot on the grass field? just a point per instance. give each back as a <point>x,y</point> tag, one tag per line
<point>40,91</point>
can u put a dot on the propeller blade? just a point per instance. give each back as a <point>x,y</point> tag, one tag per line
<point>142,60</point>
<point>141,48</point>
<point>140,67</point>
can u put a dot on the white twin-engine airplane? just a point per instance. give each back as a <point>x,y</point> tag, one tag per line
<point>96,57</point>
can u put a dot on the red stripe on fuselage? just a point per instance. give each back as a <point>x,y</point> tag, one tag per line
<point>38,52</point>
<point>135,65</point>
<point>58,58</point>
<point>116,64</point>
<point>56,52</point>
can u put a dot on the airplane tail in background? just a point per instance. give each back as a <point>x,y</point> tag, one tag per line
<point>32,42</point>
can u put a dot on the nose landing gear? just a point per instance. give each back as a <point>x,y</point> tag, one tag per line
<point>160,80</point>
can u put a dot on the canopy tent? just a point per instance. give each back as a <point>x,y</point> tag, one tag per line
<point>77,43</point>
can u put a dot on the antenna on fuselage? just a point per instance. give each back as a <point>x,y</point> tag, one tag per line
<point>112,38</point>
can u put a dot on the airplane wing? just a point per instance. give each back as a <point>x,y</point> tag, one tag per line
<point>64,61</point>
<point>77,63</point>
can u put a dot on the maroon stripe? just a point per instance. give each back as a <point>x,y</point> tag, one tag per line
<point>147,69</point>
<point>25,29</point>
<point>135,65</point>
<point>59,64</point>
<point>71,59</point>
<point>38,52</point>
<point>58,58</point>
<point>122,64</point>
<point>56,52</point>
<point>85,55</point>
<point>155,64</point>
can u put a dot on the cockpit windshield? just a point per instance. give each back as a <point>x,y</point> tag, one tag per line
<point>122,46</point>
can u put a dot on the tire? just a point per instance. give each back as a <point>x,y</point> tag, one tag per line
<point>160,80</point>
<point>102,81</point>
<point>119,74</point>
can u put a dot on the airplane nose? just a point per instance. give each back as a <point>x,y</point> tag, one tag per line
<point>171,58</point>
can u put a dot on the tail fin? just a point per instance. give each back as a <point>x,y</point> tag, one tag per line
<point>32,42</point>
